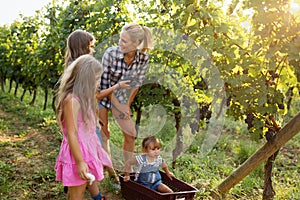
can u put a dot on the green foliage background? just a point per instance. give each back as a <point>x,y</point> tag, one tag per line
<point>253,45</point>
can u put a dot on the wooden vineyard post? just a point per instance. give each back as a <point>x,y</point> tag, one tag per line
<point>283,136</point>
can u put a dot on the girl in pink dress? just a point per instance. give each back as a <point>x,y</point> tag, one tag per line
<point>80,153</point>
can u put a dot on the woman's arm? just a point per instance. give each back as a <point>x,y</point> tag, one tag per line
<point>128,164</point>
<point>71,109</point>
<point>100,94</point>
<point>105,77</point>
<point>132,95</point>
<point>143,68</point>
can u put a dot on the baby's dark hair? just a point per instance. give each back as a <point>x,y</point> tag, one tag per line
<point>151,140</point>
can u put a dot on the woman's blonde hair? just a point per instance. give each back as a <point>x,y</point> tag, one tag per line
<point>78,44</point>
<point>79,80</point>
<point>139,33</point>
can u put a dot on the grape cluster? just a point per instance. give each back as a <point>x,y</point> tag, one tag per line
<point>249,120</point>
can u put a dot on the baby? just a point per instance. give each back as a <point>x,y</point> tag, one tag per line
<point>148,165</point>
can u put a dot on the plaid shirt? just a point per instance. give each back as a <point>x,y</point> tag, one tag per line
<point>115,69</point>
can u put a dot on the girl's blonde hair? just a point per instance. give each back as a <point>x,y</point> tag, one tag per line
<point>139,33</point>
<point>79,80</point>
<point>78,44</point>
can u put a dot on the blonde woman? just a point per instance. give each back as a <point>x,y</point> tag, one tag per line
<point>127,61</point>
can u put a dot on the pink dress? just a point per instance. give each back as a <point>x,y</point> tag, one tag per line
<point>94,155</point>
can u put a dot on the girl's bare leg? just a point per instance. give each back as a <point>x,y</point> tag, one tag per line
<point>128,128</point>
<point>76,192</point>
<point>93,189</point>
<point>103,118</point>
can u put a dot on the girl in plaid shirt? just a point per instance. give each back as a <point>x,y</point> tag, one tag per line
<point>127,61</point>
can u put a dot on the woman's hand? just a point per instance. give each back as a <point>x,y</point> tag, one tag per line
<point>123,84</point>
<point>107,93</point>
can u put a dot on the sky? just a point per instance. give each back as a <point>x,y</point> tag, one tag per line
<point>10,9</point>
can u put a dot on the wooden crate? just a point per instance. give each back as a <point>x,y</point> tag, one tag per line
<point>132,190</point>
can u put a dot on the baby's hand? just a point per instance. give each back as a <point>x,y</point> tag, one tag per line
<point>170,175</point>
<point>126,178</point>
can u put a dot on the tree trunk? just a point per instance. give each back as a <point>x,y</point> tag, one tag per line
<point>10,85</point>
<point>16,89</point>
<point>283,136</point>
<point>178,147</point>
<point>289,95</point>
<point>33,97</point>
<point>3,83</point>
<point>53,103</point>
<point>138,110</point>
<point>23,94</point>
<point>269,192</point>
<point>46,99</point>
<point>179,144</point>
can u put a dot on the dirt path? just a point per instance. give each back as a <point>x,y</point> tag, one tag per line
<point>27,157</point>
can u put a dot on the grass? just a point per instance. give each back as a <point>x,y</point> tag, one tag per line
<point>30,141</point>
